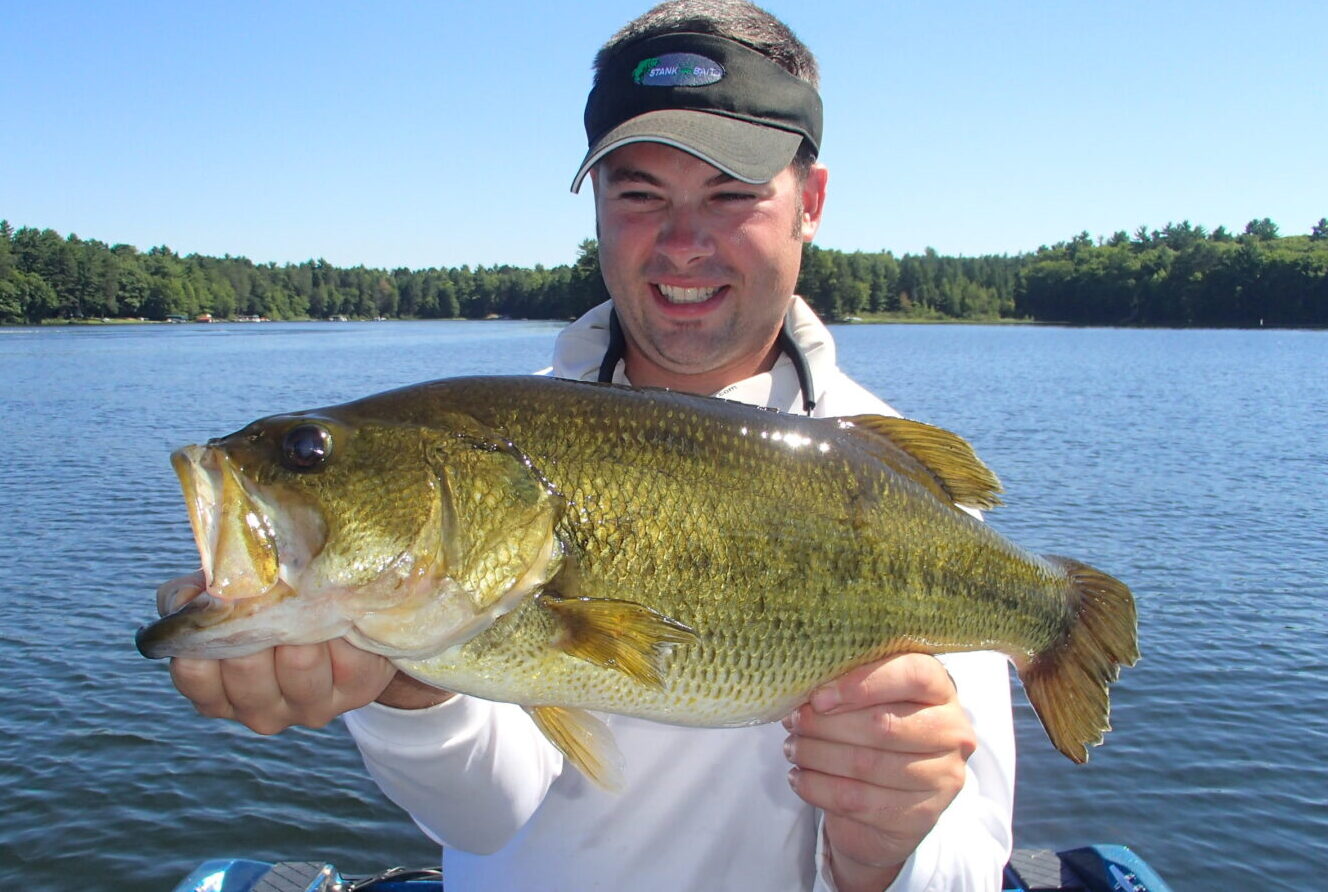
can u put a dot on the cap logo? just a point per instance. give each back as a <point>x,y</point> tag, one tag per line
<point>677,70</point>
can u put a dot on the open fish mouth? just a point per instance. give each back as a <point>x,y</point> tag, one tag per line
<point>235,537</point>
<point>247,603</point>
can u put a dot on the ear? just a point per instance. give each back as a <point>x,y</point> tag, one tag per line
<point>813,200</point>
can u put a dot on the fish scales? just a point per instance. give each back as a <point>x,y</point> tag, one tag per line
<point>657,554</point>
<point>784,578</point>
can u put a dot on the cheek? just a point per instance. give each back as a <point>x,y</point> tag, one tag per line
<point>623,244</point>
<point>767,248</point>
<point>611,242</point>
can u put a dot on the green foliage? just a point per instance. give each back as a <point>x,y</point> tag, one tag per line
<point>1181,274</point>
<point>45,276</point>
<point>1264,230</point>
<point>25,297</point>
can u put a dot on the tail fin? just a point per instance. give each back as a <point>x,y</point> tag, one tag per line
<point>1067,684</point>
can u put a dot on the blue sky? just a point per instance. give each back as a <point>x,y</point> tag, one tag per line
<point>439,134</point>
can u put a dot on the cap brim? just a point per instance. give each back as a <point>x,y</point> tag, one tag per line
<point>752,153</point>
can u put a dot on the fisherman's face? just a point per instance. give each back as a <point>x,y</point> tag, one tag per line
<point>700,266</point>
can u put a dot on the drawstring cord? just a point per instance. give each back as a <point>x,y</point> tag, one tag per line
<point>618,346</point>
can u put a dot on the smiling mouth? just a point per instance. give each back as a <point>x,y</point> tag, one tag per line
<point>678,295</point>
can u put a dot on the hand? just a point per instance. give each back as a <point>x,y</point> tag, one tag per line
<point>291,684</point>
<point>881,751</point>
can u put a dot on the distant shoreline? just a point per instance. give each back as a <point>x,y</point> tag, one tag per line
<point>1180,276</point>
<point>864,319</point>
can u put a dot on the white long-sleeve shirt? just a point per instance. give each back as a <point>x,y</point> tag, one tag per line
<point>700,809</point>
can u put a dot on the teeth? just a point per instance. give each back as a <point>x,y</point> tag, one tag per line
<point>685,295</point>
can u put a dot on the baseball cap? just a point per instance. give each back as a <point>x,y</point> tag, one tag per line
<point>712,97</point>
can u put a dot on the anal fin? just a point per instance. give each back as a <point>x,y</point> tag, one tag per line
<point>586,742</point>
<point>618,635</point>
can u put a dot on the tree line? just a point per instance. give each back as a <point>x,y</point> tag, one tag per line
<point>1182,274</point>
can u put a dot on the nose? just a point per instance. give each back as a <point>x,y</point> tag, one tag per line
<point>684,238</point>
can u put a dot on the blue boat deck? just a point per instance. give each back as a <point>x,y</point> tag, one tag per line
<point>1099,868</point>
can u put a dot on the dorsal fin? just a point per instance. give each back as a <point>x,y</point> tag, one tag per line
<point>947,461</point>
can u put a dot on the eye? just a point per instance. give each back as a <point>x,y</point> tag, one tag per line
<point>306,448</point>
<point>637,197</point>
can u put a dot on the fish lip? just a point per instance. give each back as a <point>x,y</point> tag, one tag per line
<point>158,639</point>
<point>209,627</point>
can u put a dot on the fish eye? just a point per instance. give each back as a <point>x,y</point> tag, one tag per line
<point>306,448</point>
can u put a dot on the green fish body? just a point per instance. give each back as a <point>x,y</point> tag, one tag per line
<point>574,547</point>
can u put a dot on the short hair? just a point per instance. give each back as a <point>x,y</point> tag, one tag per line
<point>737,20</point>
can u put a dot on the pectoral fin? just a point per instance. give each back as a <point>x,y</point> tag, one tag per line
<point>618,635</point>
<point>585,740</point>
<point>949,466</point>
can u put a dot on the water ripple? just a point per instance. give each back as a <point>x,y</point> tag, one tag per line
<point>1190,464</point>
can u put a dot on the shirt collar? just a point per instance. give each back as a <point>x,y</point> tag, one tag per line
<point>580,348</point>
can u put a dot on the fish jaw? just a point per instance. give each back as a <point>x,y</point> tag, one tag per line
<point>252,560</point>
<point>236,541</point>
<point>213,628</point>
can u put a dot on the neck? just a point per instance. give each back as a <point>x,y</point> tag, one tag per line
<point>643,373</point>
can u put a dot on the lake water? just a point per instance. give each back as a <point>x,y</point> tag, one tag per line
<point>1192,464</point>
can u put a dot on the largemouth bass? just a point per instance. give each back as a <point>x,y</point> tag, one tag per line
<point>574,547</point>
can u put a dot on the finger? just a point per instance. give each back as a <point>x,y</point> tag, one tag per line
<point>870,824</point>
<point>902,727</point>
<point>200,682</point>
<point>916,678</point>
<point>252,689</point>
<point>901,772</point>
<point>175,593</point>
<point>859,800</point>
<point>358,677</point>
<point>303,674</point>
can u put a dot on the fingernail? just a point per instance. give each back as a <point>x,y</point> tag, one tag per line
<point>788,749</point>
<point>825,699</point>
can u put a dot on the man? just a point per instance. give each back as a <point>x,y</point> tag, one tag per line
<point>703,125</point>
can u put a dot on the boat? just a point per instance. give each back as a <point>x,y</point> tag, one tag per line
<point>1094,868</point>
<point>247,875</point>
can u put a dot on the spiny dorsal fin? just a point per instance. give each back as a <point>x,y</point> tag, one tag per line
<point>618,635</point>
<point>947,459</point>
<point>586,742</point>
